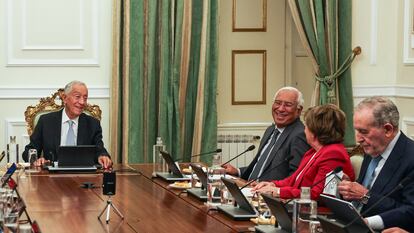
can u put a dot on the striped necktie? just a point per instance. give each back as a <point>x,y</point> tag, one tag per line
<point>261,162</point>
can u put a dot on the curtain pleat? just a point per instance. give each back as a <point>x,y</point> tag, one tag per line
<point>324,28</point>
<point>171,63</point>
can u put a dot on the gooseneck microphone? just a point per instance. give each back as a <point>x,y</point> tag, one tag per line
<point>250,148</point>
<point>201,154</point>
<point>207,153</point>
<point>401,185</point>
<point>286,160</point>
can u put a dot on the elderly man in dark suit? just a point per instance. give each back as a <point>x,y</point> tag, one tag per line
<point>69,126</point>
<point>387,169</point>
<point>281,140</point>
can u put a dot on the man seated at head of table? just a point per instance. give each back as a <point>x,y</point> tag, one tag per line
<point>68,127</point>
<point>282,139</point>
<point>324,129</point>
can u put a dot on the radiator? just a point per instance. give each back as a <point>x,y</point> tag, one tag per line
<point>234,144</point>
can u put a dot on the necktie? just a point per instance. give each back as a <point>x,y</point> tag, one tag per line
<point>70,137</point>
<point>263,158</point>
<point>370,174</point>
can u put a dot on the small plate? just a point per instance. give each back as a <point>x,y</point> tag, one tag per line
<point>176,186</point>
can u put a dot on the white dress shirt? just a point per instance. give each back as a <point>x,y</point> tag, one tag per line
<point>65,127</point>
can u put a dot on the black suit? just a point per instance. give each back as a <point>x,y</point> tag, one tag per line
<point>47,134</point>
<point>291,142</point>
<point>398,209</point>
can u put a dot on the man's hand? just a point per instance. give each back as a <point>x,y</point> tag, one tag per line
<point>394,230</point>
<point>351,190</point>
<point>230,169</point>
<point>105,161</point>
<point>40,161</point>
<point>261,185</point>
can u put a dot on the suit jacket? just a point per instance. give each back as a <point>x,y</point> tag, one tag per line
<point>47,134</point>
<point>325,161</point>
<point>398,208</point>
<point>291,142</point>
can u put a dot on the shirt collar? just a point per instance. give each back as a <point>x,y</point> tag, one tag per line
<point>280,129</point>
<point>65,118</point>
<point>390,146</point>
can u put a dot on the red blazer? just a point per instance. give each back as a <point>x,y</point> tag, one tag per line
<point>327,159</point>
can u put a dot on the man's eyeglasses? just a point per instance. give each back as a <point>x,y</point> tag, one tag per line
<point>287,104</point>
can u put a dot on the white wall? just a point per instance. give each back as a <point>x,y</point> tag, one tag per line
<point>46,44</point>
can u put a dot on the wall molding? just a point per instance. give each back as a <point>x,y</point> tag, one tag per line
<point>247,126</point>
<point>10,125</point>
<point>406,123</point>
<point>408,33</point>
<point>389,91</point>
<point>40,92</point>
<point>62,60</point>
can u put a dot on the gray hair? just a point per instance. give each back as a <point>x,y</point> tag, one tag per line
<point>299,100</point>
<point>383,110</point>
<point>69,86</point>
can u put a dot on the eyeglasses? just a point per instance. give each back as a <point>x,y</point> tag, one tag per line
<point>287,104</point>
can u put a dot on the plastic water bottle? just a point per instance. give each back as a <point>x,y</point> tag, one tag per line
<point>157,159</point>
<point>304,211</point>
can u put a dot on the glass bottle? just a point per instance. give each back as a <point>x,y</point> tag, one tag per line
<point>216,193</point>
<point>304,211</point>
<point>157,159</point>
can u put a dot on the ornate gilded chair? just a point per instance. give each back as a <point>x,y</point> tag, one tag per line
<point>51,104</point>
<point>356,155</point>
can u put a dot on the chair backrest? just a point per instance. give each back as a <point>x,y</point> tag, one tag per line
<point>50,104</point>
<point>356,156</point>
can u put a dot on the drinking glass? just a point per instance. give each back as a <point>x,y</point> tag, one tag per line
<point>32,156</point>
<point>11,221</point>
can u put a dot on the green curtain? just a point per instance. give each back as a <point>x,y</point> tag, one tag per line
<point>324,28</point>
<point>164,78</point>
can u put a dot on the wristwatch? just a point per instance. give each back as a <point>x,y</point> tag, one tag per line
<point>365,199</point>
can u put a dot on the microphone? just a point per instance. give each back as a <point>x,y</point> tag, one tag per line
<point>201,154</point>
<point>250,148</point>
<point>287,159</point>
<point>334,172</point>
<point>400,185</point>
<point>206,153</point>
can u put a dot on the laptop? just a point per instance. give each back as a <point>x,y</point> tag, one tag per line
<point>279,210</point>
<point>175,174</point>
<point>79,158</point>
<point>347,217</point>
<point>200,193</point>
<point>244,210</point>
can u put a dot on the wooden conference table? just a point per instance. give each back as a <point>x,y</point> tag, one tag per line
<point>59,204</point>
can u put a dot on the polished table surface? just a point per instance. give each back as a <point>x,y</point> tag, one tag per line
<point>59,204</point>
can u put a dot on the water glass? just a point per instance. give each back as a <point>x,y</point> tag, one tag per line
<point>11,221</point>
<point>214,185</point>
<point>32,156</point>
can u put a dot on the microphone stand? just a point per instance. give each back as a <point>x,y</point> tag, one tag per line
<point>250,148</point>
<point>276,166</point>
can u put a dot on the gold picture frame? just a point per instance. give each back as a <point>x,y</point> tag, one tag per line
<point>236,27</point>
<point>252,60</point>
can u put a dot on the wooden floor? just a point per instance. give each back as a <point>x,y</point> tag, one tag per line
<point>60,205</point>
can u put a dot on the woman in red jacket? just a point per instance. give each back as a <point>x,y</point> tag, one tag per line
<point>324,129</point>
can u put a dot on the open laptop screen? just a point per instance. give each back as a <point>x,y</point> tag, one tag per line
<point>77,156</point>
<point>171,164</point>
